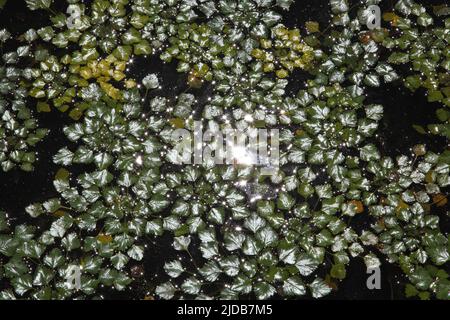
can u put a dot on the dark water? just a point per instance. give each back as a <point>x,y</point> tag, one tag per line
<point>396,136</point>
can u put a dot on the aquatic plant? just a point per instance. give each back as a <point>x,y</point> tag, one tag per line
<point>284,52</point>
<point>110,210</point>
<point>422,47</point>
<point>231,228</point>
<point>410,196</point>
<point>19,131</point>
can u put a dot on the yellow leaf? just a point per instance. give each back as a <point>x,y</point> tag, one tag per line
<point>390,16</point>
<point>401,206</point>
<point>294,35</point>
<point>63,108</point>
<point>66,59</point>
<point>111,59</point>
<point>426,207</point>
<point>429,177</point>
<point>118,75</point>
<point>71,92</point>
<point>298,63</point>
<point>62,174</point>
<point>76,114</point>
<point>93,66</point>
<point>194,81</point>
<point>177,123</point>
<point>129,84</point>
<point>43,107</point>
<point>83,83</point>
<point>59,213</point>
<point>74,68</point>
<point>282,73</point>
<point>419,150</point>
<point>258,54</point>
<point>330,282</point>
<point>440,200</point>
<point>104,238</point>
<point>86,73</point>
<point>358,205</point>
<point>110,90</point>
<point>104,66</point>
<point>268,67</point>
<point>121,65</point>
<point>282,33</point>
<point>288,64</point>
<point>103,79</point>
<point>312,26</point>
<point>265,43</point>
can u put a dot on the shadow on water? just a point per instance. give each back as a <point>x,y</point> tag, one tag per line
<point>402,110</point>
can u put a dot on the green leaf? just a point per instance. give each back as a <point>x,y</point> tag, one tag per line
<point>230,265</point>
<point>294,287</point>
<point>369,153</point>
<point>52,205</point>
<point>166,290</point>
<point>181,243</point>
<point>209,250</point>
<point>119,260</point>
<point>54,259</point>
<point>435,95</point>
<point>151,81</point>
<point>7,295</point>
<point>371,261</point>
<point>136,253</point>
<point>338,271</point>
<point>421,278</point>
<point>8,245</point>
<point>210,271</point>
<point>32,249</point>
<point>59,227</point>
<point>121,281</point>
<point>22,284</point>
<point>254,223</point>
<point>264,290</point>
<point>174,268</point>
<point>265,208</point>
<point>319,288</point>
<point>411,291</point>
<point>34,210</point>
<point>42,276</point>
<point>234,241</point>
<point>442,114</point>
<point>101,178</point>
<point>306,264</point>
<point>251,247</point>
<point>439,254</point>
<point>38,4</point>
<point>191,286</point>
<point>372,80</point>
<point>285,201</point>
